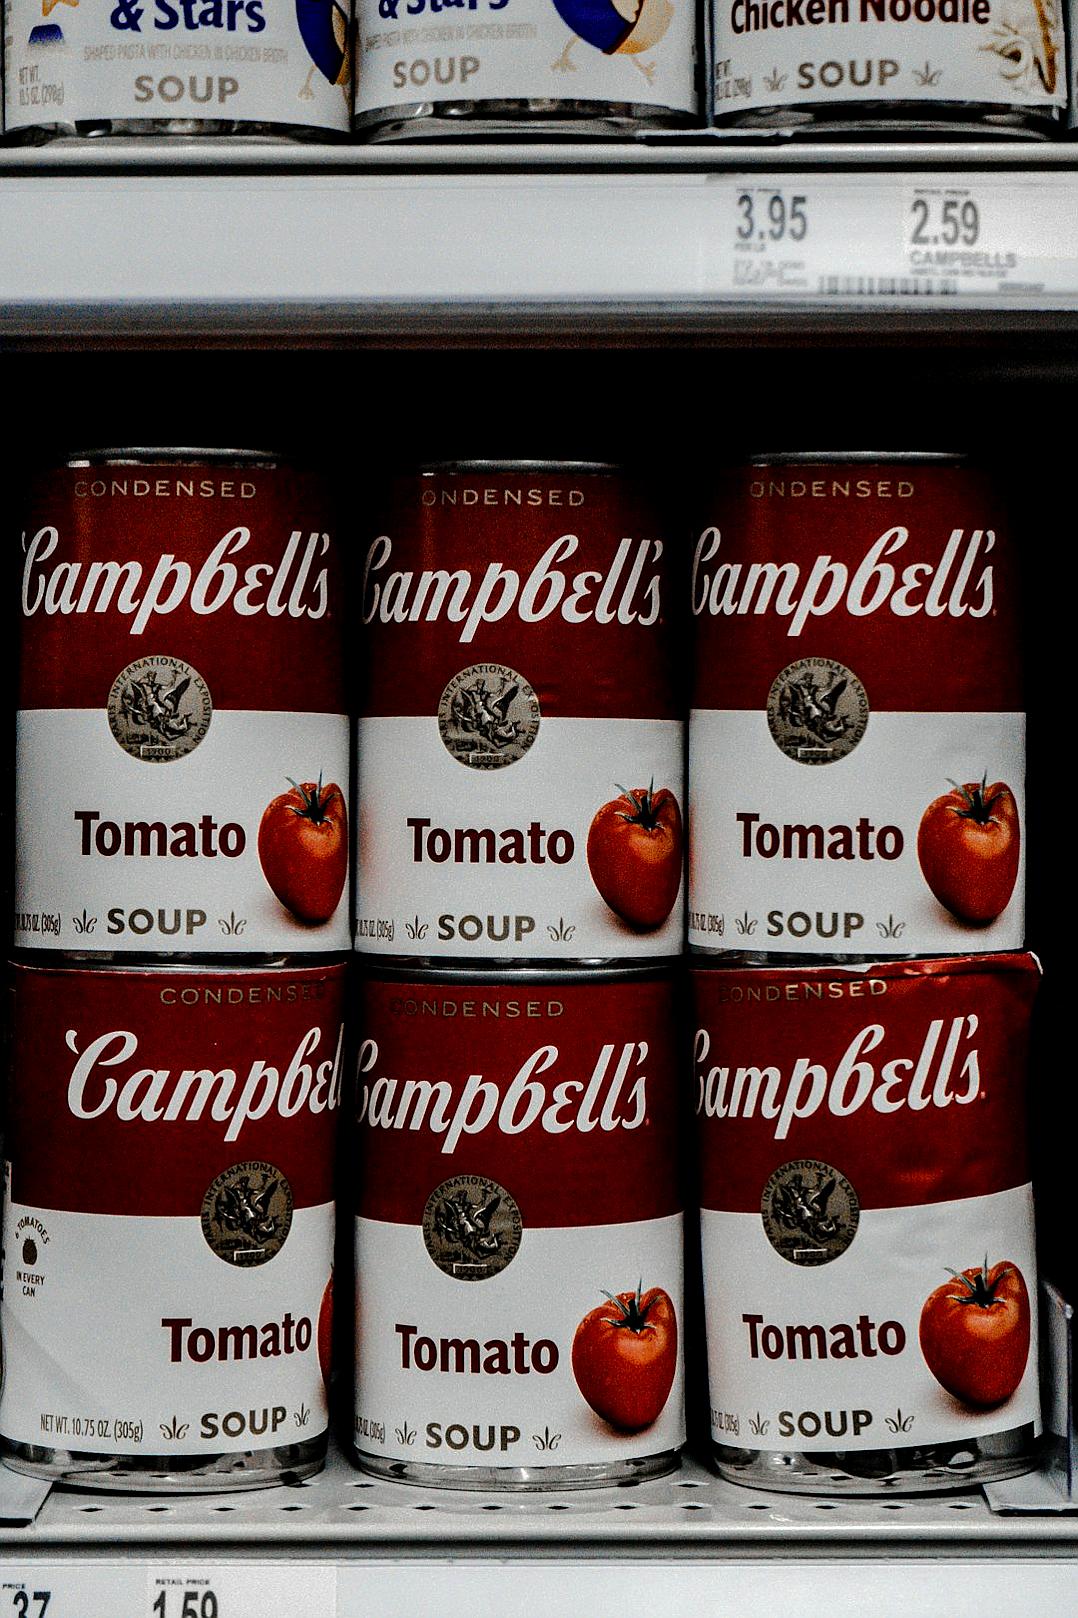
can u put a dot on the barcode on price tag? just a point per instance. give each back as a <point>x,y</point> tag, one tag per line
<point>240,1590</point>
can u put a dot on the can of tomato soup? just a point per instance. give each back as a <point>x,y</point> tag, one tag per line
<point>867,1223</point>
<point>858,654</point>
<point>518,1230</point>
<point>520,740</point>
<point>169,1223</point>
<point>258,67</point>
<point>182,740</point>
<point>903,65</point>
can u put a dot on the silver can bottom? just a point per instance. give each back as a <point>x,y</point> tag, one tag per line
<point>934,1469</point>
<point>912,118</point>
<point>516,1479</point>
<point>197,128</point>
<point>439,120</point>
<point>169,1474</point>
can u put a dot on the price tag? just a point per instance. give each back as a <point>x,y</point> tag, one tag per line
<point>770,238</point>
<point>963,238</point>
<point>1002,240</point>
<point>238,1590</point>
<point>70,1590</point>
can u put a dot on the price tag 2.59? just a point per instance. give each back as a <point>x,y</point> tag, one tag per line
<point>960,237</point>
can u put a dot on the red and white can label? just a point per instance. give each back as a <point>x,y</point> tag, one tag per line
<point>519,1224</point>
<point>867,1218</point>
<point>168,1216</point>
<point>857,740</point>
<point>520,745</point>
<point>182,748</point>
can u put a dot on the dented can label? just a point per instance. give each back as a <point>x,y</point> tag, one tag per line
<point>182,740</point>
<point>520,743</point>
<point>867,1215</point>
<point>168,1218</point>
<point>793,54</point>
<point>635,53</point>
<point>277,62</point>
<point>858,655</point>
<point>518,1222</point>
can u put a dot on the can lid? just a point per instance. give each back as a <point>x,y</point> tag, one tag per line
<point>856,457</point>
<point>147,454</point>
<point>464,468</point>
<point>452,976</point>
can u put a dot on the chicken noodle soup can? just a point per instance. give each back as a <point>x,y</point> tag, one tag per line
<point>591,66</point>
<point>178,67</point>
<point>182,744</point>
<point>890,64</point>
<point>520,739</point>
<point>867,1223</point>
<point>169,1188</point>
<point>518,1230</point>
<point>857,652</point>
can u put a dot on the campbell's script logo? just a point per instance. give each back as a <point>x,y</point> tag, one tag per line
<point>628,592</point>
<point>944,1070</point>
<point>957,585</point>
<point>471,1227</point>
<point>157,1094</point>
<point>159,709</point>
<point>488,716</point>
<point>614,1096</point>
<point>293,587</point>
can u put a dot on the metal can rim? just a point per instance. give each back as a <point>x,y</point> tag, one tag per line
<point>463,468</point>
<point>191,455</point>
<point>492,977</point>
<point>858,457</point>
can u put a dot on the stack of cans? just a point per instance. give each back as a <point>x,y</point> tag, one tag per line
<point>181,928</point>
<point>857,751</point>
<point>519,881</point>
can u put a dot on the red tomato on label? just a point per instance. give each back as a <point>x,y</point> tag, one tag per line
<point>325,1332</point>
<point>303,849</point>
<point>625,1356</point>
<point>975,1333</point>
<point>634,855</point>
<point>968,844</point>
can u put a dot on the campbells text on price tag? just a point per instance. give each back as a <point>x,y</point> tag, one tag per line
<point>239,1590</point>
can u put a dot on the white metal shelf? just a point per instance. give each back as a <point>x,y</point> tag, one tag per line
<point>137,240</point>
<point>692,1515</point>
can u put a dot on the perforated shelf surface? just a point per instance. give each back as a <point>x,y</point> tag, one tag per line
<point>692,1514</point>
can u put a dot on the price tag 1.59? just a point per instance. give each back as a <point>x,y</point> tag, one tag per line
<point>240,1590</point>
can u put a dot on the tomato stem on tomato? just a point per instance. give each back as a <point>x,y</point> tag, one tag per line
<point>634,1314</point>
<point>314,805</point>
<point>980,1291</point>
<point>645,810</point>
<point>979,805</point>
